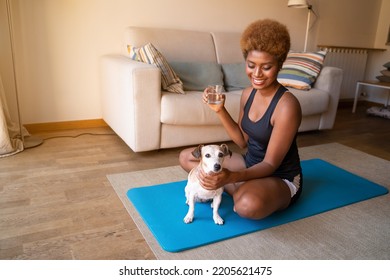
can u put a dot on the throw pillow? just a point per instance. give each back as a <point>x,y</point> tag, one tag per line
<point>383,79</point>
<point>235,77</point>
<point>386,73</point>
<point>149,54</point>
<point>197,76</point>
<point>300,70</point>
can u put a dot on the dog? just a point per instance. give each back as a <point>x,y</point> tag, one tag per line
<point>211,160</point>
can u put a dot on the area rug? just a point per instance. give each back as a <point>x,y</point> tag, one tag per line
<point>162,207</point>
<point>357,231</point>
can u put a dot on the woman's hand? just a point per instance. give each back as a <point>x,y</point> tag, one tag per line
<point>214,107</point>
<point>213,181</point>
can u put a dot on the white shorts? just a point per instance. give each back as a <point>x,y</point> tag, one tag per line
<point>294,185</point>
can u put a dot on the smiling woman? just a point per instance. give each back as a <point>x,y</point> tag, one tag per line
<point>268,177</point>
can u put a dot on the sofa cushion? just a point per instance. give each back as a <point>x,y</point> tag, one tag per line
<point>300,70</point>
<point>149,54</point>
<point>196,76</point>
<point>188,109</point>
<point>175,44</point>
<point>227,47</point>
<point>314,102</point>
<point>234,76</point>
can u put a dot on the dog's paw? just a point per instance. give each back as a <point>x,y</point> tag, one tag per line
<point>218,220</point>
<point>188,219</point>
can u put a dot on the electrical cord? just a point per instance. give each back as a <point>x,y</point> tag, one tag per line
<point>78,135</point>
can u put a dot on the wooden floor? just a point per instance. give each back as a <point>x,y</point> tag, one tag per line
<point>56,202</point>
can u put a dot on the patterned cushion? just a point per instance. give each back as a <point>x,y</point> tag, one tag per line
<point>149,54</point>
<point>300,70</point>
<point>386,73</point>
<point>383,79</point>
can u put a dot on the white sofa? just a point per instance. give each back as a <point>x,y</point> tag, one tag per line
<point>147,118</point>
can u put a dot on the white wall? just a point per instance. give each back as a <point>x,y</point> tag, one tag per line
<point>59,42</point>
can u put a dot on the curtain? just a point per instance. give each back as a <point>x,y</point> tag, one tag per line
<point>10,138</point>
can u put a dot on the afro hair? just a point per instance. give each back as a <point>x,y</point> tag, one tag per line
<point>266,35</point>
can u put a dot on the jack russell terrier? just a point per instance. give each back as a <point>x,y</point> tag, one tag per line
<point>211,159</point>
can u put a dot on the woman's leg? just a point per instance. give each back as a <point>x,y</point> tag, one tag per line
<point>186,160</point>
<point>257,199</point>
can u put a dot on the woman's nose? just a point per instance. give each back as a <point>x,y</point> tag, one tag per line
<point>257,72</point>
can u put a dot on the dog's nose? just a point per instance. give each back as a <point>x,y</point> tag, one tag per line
<point>217,167</point>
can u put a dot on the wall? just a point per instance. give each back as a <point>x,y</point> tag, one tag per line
<point>59,42</point>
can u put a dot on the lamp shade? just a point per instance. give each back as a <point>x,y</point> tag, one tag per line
<point>297,4</point>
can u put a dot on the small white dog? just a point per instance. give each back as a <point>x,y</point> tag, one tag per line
<point>211,159</point>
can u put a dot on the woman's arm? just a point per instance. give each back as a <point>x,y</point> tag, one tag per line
<point>285,120</point>
<point>232,128</point>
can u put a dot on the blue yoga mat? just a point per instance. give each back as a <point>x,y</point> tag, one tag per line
<point>163,207</point>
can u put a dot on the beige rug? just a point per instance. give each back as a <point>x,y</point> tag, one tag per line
<point>357,231</point>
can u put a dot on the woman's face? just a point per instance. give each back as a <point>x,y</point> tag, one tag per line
<point>262,69</point>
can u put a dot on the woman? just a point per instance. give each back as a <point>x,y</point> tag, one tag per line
<point>268,178</point>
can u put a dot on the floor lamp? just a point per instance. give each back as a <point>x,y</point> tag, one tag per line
<point>28,141</point>
<point>302,4</point>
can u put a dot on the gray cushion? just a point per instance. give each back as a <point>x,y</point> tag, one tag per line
<point>196,76</point>
<point>235,77</point>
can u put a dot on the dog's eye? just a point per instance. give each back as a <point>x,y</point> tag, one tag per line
<point>207,155</point>
<point>220,155</point>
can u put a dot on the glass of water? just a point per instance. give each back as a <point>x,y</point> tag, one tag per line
<point>214,94</point>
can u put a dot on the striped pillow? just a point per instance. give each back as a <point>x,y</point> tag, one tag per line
<point>300,70</point>
<point>149,54</point>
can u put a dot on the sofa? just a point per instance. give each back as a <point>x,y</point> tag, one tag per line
<point>148,117</point>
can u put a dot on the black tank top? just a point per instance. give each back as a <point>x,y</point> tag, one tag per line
<point>259,134</point>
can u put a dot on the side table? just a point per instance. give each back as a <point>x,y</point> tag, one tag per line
<point>375,84</point>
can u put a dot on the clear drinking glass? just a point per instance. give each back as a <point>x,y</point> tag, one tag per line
<point>214,94</point>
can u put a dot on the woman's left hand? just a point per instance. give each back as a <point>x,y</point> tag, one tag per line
<point>213,181</point>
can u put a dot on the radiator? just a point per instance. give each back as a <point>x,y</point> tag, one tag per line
<point>352,61</point>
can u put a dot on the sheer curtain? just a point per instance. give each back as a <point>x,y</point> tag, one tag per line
<point>10,134</point>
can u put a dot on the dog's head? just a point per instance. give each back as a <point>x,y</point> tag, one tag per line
<point>211,156</point>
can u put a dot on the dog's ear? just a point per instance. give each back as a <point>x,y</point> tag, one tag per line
<point>197,152</point>
<point>226,151</point>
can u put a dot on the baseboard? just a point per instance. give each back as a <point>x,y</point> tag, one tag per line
<point>56,126</point>
<point>346,103</point>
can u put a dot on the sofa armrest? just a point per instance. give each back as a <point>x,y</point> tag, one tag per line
<point>330,80</point>
<point>131,101</point>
